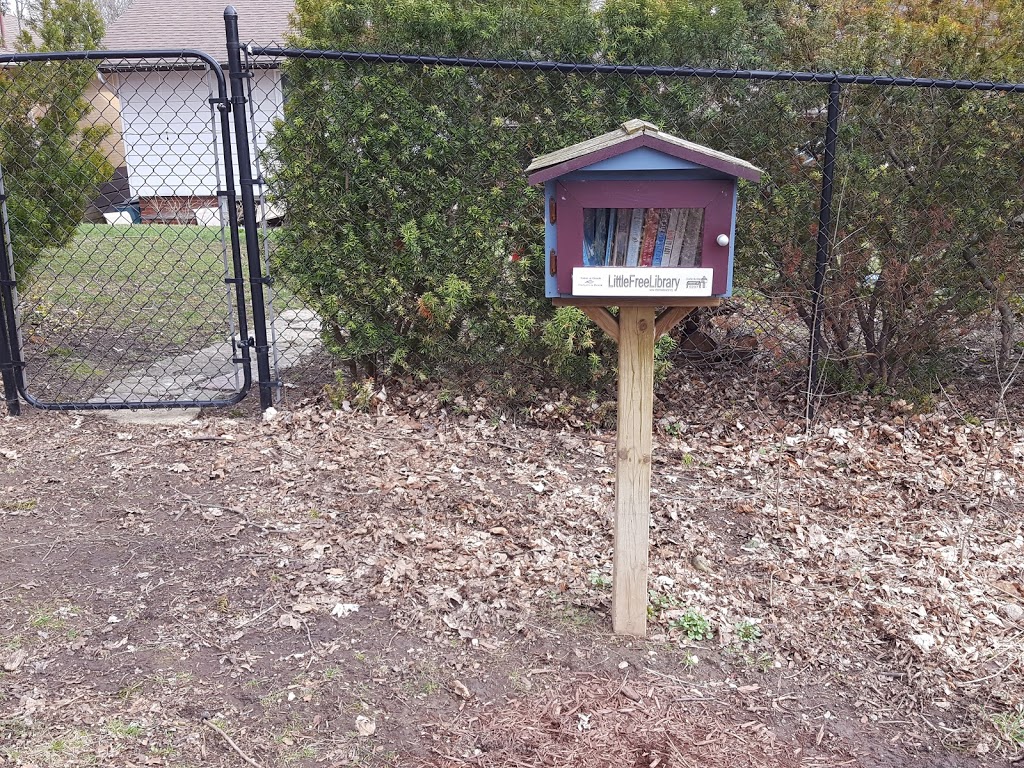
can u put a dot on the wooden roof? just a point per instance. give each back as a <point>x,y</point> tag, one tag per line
<point>631,135</point>
<point>173,24</point>
<point>11,29</point>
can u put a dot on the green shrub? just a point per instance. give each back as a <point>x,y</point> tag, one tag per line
<point>51,159</point>
<point>411,228</point>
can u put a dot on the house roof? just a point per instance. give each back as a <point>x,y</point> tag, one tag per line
<point>197,24</point>
<point>11,30</point>
<point>631,135</point>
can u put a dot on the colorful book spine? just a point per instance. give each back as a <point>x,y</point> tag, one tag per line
<point>649,237</point>
<point>622,226</point>
<point>589,223</point>
<point>659,242</point>
<point>670,238</point>
<point>675,257</point>
<point>689,252</point>
<point>636,230</point>
<point>613,215</point>
<point>600,236</point>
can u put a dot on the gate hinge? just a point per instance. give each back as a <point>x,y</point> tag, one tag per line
<point>8,283</point>
<point>266,280</point>
<point>234,281</point>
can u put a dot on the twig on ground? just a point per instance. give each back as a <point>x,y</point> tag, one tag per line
<point>232,744</point>
<point>259,615</point>
<point>114,453</point>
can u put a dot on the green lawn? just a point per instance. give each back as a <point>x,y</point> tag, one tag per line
<point>117,298</point>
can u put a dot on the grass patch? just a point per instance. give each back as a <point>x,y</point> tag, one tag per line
<point>1011,727</point>
<point>116,299</point>
<point>164,277</point>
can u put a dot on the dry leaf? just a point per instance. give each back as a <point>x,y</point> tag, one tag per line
<point>365,726</point>
<point>15,660</point>
<point>460,689</point>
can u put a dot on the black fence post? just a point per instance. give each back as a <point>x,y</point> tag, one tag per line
<point>9,352</point>
<point>823,248</point>
<point>245,182</point>
<point>7,364</point>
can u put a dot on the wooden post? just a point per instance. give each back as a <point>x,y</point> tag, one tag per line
<point>633,470</point>
<point>635,329</point>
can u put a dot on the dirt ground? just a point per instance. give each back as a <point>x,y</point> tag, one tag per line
<point>416,587</point>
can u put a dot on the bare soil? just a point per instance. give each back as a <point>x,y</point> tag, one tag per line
<point>412,587</point>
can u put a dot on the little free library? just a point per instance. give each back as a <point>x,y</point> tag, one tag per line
<point>642,221</point>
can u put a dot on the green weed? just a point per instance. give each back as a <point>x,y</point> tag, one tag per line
<point>693,625</point>
<point>747,631</point>
<point>1010,726</point>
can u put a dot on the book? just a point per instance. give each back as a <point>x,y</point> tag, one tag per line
<point>622,225</point>
<point>659,242</point>
<point>600,236</point>
<point>675,237</point>
<point>670,237</point>
<point>679,243</point>
<point>636,229</point>
<point>589,223</point>
<point>613,215</point>
<point>689,251</point>
<point>649,236</point>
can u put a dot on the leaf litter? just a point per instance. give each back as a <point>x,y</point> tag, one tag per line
<point>455,575</point>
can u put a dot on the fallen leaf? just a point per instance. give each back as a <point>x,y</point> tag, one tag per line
<point>15,660</point>
<point>365,726</point>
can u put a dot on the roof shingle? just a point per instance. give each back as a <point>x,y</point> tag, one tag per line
<point>197,24</point>
<point>11,30</point>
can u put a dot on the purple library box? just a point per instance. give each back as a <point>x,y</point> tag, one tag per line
<point>639,213</point>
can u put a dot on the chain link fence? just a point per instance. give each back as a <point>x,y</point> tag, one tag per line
<point>405,245</point>
<point>413,236</point>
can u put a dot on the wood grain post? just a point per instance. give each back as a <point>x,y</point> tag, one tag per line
<point>633,470</point>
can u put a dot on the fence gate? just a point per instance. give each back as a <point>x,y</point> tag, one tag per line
<point>143,305</point>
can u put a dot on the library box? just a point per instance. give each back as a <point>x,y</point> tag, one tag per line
<point>639,213</point>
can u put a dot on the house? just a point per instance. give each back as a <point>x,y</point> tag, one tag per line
<point>171,134</point>
<point>10,29</point>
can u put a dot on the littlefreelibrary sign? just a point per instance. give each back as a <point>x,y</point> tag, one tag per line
<point>641,281</point>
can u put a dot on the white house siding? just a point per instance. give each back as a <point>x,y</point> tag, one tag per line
<point>172,138</point>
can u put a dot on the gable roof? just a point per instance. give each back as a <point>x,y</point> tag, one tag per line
<point>197,24</point>
<point>631,135</point>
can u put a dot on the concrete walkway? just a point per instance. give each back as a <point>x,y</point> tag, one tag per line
<point>208,373</point>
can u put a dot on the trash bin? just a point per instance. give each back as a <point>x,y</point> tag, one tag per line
<point>134,210</point>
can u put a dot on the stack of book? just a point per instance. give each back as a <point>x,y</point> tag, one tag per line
<point>642,237</point>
